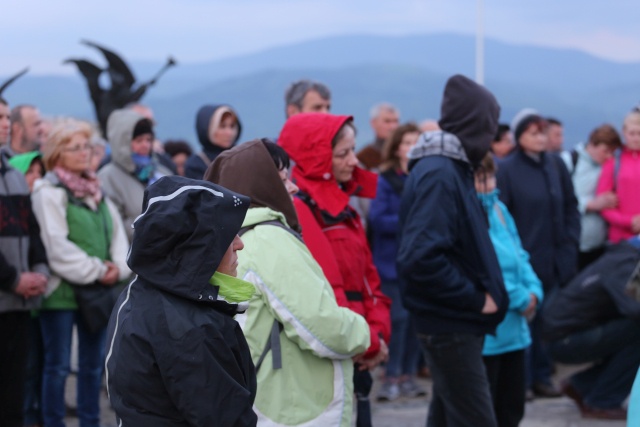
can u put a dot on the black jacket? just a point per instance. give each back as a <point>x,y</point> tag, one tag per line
<point>595,296</point>
<point>446,257</point>
<point>175,355</point>
<point>540,197</point>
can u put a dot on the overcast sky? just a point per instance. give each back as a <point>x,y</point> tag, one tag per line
<point>40,33</point>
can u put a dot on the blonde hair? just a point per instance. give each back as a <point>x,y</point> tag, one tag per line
<point>633,118</point>
<point>60,135</point>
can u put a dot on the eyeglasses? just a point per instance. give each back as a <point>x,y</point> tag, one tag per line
<point>78,148</point>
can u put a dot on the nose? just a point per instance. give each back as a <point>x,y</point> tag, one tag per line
<point>353,160</point>
<point>291,187</point>
<point>238,244</point>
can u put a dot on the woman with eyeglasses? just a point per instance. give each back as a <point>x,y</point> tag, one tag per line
<point>86,244</point>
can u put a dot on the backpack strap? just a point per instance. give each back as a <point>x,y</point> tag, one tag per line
<point>273,343</point>
<point>616,167</point>
<point>205,158</point>
<point>574,160</point>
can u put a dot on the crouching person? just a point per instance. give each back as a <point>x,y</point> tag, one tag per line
<point>175,354</point>
<point>595,320</point>
<point>305,370</point>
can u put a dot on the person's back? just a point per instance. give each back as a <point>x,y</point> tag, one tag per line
<point>175,355</point>
<point>454,286</point>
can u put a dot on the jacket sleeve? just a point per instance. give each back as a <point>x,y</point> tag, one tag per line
<point>66,259</point>
<point>571,213</point>
<point>38,262</point>
<point>112,191</point>
<point>320,249</point>
<point>530,284</point>
<point>382,219</point>
<point>605,184</point>
<point>197,373</point>
<point>429,237</point>
<point>119,242</point>
<point>297,294</point>
<point>377,306</point>
<point>9,276</point>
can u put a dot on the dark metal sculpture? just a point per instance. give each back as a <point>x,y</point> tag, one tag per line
<point>122,91</point>
<point>12,79</point>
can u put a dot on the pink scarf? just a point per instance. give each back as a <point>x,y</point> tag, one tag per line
<point>80,185</point>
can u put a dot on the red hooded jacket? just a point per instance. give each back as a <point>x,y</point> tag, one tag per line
<point>331,229</point>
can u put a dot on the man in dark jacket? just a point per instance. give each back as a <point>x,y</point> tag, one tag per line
<point>23,278</point>
<point>175,355</point>
<point>454,283</point>
<point>596,320</point>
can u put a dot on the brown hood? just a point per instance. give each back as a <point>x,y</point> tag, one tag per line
<point>249,169</point>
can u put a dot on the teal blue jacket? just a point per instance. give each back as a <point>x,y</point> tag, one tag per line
<point>519,278</point>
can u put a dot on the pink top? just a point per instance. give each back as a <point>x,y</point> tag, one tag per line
<point>627,188</point>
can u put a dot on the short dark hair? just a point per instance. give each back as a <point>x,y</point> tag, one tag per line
<point>277,153</point>
<point>502,129</point>
<point>553,121</point>
<point>174,147</point>
<point>297,90</point>
<point>3,101</point>
<point>16,112</point>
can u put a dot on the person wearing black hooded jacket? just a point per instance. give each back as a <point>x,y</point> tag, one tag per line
<point>454,285</point>
<point>218,128</point>
<point>175,355</point>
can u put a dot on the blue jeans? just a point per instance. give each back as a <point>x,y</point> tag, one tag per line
<point>461,393</point>
<point>57,327</point>
<point>404,349</point>
<point>615,347</point>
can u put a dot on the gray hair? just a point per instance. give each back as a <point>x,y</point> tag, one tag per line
<point>380,107</point>
<point>297,90</point>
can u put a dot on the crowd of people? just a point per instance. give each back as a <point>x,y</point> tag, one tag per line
<point>263,282</point>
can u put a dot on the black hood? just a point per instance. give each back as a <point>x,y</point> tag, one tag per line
<point>203,117</point>
<point>183,232</point>
<point>470,112</point>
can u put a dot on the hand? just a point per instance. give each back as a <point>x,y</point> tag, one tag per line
<point>603,201</point>
<point>111,276</point>
<point>31,284</point>
<point>635,224</point>
<point>531,308</point>
<point>490,306</point>
<point>381,356</point>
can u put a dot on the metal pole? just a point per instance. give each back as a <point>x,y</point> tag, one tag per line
<point>480,44</point>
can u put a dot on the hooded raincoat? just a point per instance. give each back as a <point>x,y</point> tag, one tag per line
<point>175,354</point>
<point>118,177</point>
<point>195,167</point>
<point>318,338</point>
<point>307,138</point>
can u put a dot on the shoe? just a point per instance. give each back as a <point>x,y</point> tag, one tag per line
<point>409,388</point>
<point>570,391</point>
<point>388,392</point>
<point>604,414</point>
<point>545,390</point>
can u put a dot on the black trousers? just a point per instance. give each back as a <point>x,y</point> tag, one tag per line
<point>14,347</point>
<point>461,395</point>
<point>506,373</point>
<point>362,382</point>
